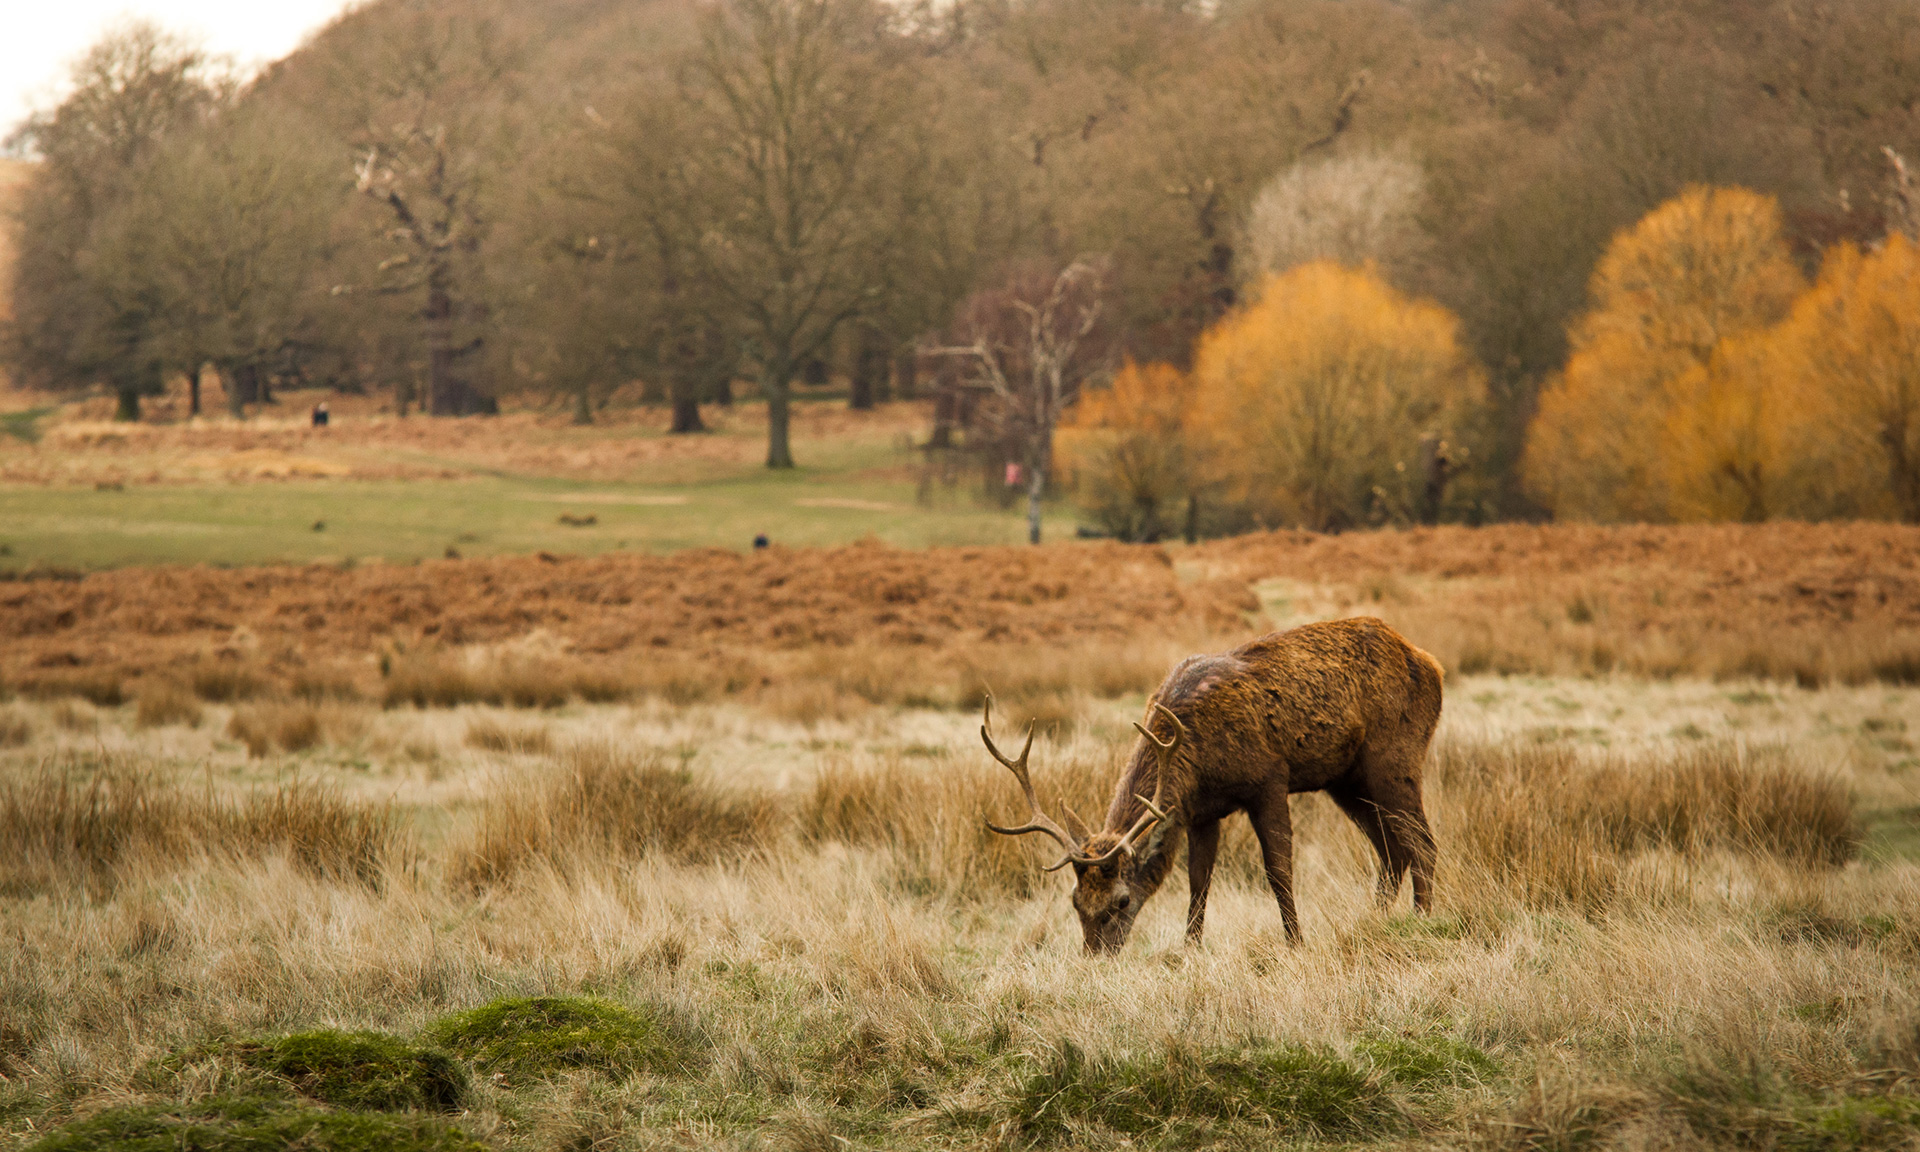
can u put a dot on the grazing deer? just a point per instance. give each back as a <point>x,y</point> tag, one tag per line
<point>1345,707</point>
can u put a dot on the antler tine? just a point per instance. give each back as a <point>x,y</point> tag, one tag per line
<point>1165,751</point>
<point>1040,822</point>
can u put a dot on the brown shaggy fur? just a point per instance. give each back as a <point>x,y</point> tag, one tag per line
<point>1345,707</point>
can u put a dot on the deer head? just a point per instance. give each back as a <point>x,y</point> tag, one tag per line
<point>1106,895</point>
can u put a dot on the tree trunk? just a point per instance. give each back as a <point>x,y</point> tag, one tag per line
<point>1036,484</point>
<point>127,407</point>
<point>243,386</point>
<point>775,382</point>
<point>1039,460</point>
<point>583,405</point>
<point>683,387</point>
<point>193,392</point>
<point>943,405</point>
<point>1903,473</point>
<point>906,374</point>
<point>869,380</point>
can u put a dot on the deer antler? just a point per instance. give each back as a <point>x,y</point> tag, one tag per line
<point>1040,822</point>
<point>1164,752</point>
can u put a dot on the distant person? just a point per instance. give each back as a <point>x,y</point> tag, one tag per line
<point>320,414</point>
<point>761,541</point>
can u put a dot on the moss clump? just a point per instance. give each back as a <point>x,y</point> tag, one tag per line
<point>248,1125</point>
<point>1183,1093</point>
<point>549,1033</point>
<point>364,1070</point>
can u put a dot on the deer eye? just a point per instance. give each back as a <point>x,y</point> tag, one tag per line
<point>1123,900</point>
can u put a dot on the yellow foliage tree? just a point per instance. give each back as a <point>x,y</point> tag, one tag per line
<point>1849,355</point>
<point>1317,396</point>
<point>1740,442</point>
<point>1703,268</point>
<point>1131,452</point>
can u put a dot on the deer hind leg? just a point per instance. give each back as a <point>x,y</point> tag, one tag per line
<point>1273,824</point>
<point>1367,817</point>
<point>1389,811</point>
<point>1203,841</point>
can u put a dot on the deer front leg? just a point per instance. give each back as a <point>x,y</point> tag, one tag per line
<point>1273,824</point>
<point>1203,842</point>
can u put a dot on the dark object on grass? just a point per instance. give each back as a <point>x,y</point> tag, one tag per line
<point>1345,707</point>
<point>452,552</point>
<point>572,521</point>
<point>319,525</point>
<point>760,541</point>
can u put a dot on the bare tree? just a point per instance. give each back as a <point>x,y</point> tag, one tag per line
<point>78,319</point>
<point>1903,197</point>
<point>427,123</point>
<point>1032,344</point>
<point>1351,209</point>
<point>780,201</point>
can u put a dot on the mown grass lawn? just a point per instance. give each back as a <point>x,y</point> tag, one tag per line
<point>334,520</point>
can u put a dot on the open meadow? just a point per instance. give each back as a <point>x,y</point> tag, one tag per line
<point>687,851</point>
<point>80,491</point>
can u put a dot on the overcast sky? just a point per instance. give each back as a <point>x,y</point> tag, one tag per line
<point>39,39</point>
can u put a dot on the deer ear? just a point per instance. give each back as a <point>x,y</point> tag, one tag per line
<point>1075,825</point>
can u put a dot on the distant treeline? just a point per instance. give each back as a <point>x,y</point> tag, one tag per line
<point>997,204</point>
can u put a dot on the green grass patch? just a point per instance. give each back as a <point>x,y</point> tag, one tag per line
<point>23,425</point>
<point>1745,1103</point>
<point>1428,1063</point>
<point>476,515</point>
<point>252,1125</point>
<point>361,1070</point>
<point>534,1036</point>
<point>1184,1096</point>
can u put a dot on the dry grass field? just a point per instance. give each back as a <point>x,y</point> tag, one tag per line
<point>683,852</point>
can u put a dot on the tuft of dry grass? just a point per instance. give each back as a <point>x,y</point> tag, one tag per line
<point>15,730</point>
<point>440,678</point>
<point>927,816</point>
<point>92,821</point>
<point>289,727</point>
<point>164,702</point>
<point>605,805</point>
<point>495,735</point>
<point>102,687</point>
<point>222,681</point>
<point>1550,826</point>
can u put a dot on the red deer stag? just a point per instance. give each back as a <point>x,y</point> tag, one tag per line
<point>1345,707</point>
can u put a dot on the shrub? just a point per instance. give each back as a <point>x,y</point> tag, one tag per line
<point>533,1036</point>
<point>165,702</point>
<point>1297,1090</point>
<point>228,1124</point>
<point>361,1070</point>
